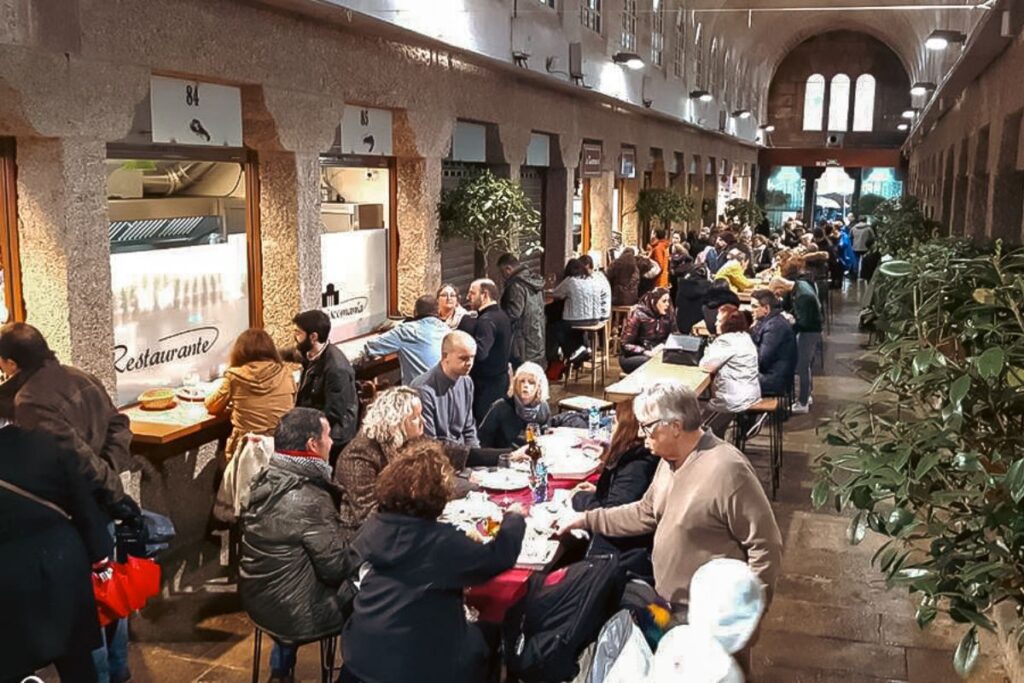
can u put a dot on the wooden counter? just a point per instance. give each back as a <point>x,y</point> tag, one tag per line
<point>163,433</point>
<point>653,371</point>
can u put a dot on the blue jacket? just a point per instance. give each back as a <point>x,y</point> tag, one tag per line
<point>776,353</point>
<point>417,342</point>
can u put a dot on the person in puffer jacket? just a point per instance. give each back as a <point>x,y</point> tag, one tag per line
<point>296,567</point>
<point>647,326</point>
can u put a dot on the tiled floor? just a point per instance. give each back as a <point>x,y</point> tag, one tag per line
<point>832,619</point>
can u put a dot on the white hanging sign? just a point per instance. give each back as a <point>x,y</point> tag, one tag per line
<point>366,131</point>
<point>195,113</point>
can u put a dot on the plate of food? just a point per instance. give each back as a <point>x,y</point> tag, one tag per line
<point>575,464</point>
<point>192,393</point>
<point>157,399</point>
<point>502,479</point>
<point>474,506</point>
<point>537,553</point>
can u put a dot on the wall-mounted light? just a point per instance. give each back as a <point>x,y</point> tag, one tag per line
<point>922,88</point>
<point>939,39</point>
<point>903,127</point>
<point>702,95</point>
<point>741,114</point>
<point>630,60</point>
<point>769,128</point>
<point>909,113</point>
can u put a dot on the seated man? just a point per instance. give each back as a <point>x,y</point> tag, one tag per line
<point>776,344</point>
<point>295,566</point>
<point>417,341</point>
<point>446,392</point>
<point>734,272</point>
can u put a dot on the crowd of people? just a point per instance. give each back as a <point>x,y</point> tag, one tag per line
<point>352,486</point>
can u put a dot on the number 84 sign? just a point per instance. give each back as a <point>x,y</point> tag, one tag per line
<point>195,113</point>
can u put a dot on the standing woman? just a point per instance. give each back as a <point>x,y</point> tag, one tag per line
<point>449,309</point>
<point>258,386</point>
<point>624,277</point>
<point>627,470</point>
<point>647,326</point>
<point>53,531</point>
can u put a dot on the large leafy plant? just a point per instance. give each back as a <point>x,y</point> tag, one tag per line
<point>661,207</point>
<point>934,458</point>
<point>900,226</point>
<point>744,212</point>
<point>492,213</point>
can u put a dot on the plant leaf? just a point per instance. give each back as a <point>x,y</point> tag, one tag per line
<point>990,363</point>
<point>819,494</point>
<point>958,390</point>
<point>1015,480</point>
<point>966,655</point>
<point>858,527</point>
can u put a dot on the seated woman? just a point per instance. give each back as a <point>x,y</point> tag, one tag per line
<point>504,426</point>
<point>448,306</point>
<point>586,301</point>
<point>394,418</point>
<point>648,325</point>
<point>732,358</point>
<point>258,387</point>
<point>409,614</point>
<point>628,468</point>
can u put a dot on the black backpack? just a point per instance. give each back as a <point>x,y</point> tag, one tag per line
<point>547,630</point>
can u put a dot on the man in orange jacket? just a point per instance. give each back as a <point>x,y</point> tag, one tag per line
<point>659,253</point>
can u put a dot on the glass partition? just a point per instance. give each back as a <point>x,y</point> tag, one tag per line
<point>179,270</point>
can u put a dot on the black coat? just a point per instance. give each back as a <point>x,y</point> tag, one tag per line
<point>329,384</point>
<point>493,335</point>
<point>296,564</point>
<point>46,596</point>
<point>776,354</point>
<point>409,622</point>
<point>523,302</point>
<point>690,293</point>
<point>503,428</point>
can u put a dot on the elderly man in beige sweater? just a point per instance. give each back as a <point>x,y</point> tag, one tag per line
<point>705,501</point>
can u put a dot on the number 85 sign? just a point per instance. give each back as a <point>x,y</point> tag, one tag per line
<point>195,113</point>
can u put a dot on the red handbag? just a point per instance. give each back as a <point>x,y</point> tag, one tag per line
<point>131,585</point>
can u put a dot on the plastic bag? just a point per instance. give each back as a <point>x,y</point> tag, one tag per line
<point>233,495</point>
<point>622,654</point>
<point>132,584</point>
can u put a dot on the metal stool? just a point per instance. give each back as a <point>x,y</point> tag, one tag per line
<point>597,339</point>
<point>619,316</point>
<point>770,410</point>
<point>328,653</point>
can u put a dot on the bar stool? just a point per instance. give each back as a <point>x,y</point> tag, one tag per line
<point>597,339</point>
<point>619,315</point>
<point>770,410</point>
<point>328,653</point>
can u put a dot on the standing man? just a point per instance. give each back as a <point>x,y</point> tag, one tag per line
<point>328,382</point>
<point>659,254</point>
<point>417,342</point>
<point>523,303</point>
<point>807,325</point>
<point>493,336</point>
<point>861,235</point>
<point>72,406</point>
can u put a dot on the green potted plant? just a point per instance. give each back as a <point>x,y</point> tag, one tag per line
<point>869,203</point>
<point>744,212</point>
<point>661,207</point>
<point>492,213</point>
<point>933,458</point>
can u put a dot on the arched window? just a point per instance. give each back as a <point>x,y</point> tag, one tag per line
<point>864,103</point>
<point>814,102</point>
<point>839,102</point>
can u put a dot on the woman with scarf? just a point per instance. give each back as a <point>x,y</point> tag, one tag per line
<point>504,426</point>
<point>647,327</point>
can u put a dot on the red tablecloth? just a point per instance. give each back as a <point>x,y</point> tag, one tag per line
<point>493,598</point>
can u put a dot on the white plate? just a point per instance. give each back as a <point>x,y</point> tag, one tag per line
<point>470,508</point>
<point>573,465</point>
<point>537,554</point>
<point>502,480</point>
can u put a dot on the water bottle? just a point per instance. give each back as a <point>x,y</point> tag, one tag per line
<point>594,422</point>
<point>540,482</point>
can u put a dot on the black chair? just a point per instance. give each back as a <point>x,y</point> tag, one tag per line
<point>328,654</point>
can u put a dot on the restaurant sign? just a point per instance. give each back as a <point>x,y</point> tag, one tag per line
<point>354,293</point>
<point>590,160</point>
<point>195,113</point>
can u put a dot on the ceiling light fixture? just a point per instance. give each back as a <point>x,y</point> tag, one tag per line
<point>630,60</point>
<point>909,113</point>
<point>741,114</point>
<point>922,88</point>
<point>939,39</point>
<point>702,95</point>
<point>903,126</point>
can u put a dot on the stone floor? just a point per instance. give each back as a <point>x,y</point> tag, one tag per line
<point>832,619</point>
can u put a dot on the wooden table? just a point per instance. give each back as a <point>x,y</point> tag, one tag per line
<point>164,433</point>
<point>653,371</point>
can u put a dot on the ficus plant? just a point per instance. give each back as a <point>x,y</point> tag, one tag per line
<point>663,206</point>
<point>934,458</point>
<point>900,226</point>
<point>492,213</point>
<point>744,212</point>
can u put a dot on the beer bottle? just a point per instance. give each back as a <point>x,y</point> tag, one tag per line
<point>532,447</point>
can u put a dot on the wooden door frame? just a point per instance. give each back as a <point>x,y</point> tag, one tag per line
<point>11,264</point>
<point>585,235</point>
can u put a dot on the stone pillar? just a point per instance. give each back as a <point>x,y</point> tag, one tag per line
<point>290,229</point>
<point>601,209</point>
<point>65,249</point>
<point>629,222</point>
<point>810,174</point>
<point>558,219</point>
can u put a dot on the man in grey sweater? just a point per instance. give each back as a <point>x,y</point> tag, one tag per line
<point>446,392</point>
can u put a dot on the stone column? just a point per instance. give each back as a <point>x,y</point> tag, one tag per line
<point>601,209</point>
<point>65,249</point>
<point>810,174</point>
<point>629,222</point>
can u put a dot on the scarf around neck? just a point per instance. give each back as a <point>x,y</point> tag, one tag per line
<point>538,413</point>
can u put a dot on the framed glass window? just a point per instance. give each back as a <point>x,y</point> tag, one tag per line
<point>657,33</point>
<point>356,212</point>
<point>590,14</point>
<point>839,103</point>
<point>181,250</point>
<point>679,52</point>
<point>11,307</point>
<point>628,38</point>
<point>864,103</point>
<point>814,102</point>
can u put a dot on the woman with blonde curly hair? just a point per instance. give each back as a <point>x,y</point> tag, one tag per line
<point>392,420</point>
<point>504,425</point>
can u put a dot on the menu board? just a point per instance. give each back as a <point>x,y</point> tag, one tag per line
<point>176,312</point>
<point>355,281</point>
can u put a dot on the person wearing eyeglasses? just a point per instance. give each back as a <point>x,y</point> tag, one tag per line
<point>449,308</point>
<point>705,501</point>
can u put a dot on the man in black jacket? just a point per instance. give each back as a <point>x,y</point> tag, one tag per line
<point>776,344</point>
<point>328,382</point>
<point>523,302</point>
<point>493,335</point>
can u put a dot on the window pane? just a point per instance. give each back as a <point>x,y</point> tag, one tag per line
<point>629,25</point>
<point>590,14</point>
<point>864,104</point>
<point>814,102</point>
<point>657,34</point>
<point>839,103</point>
